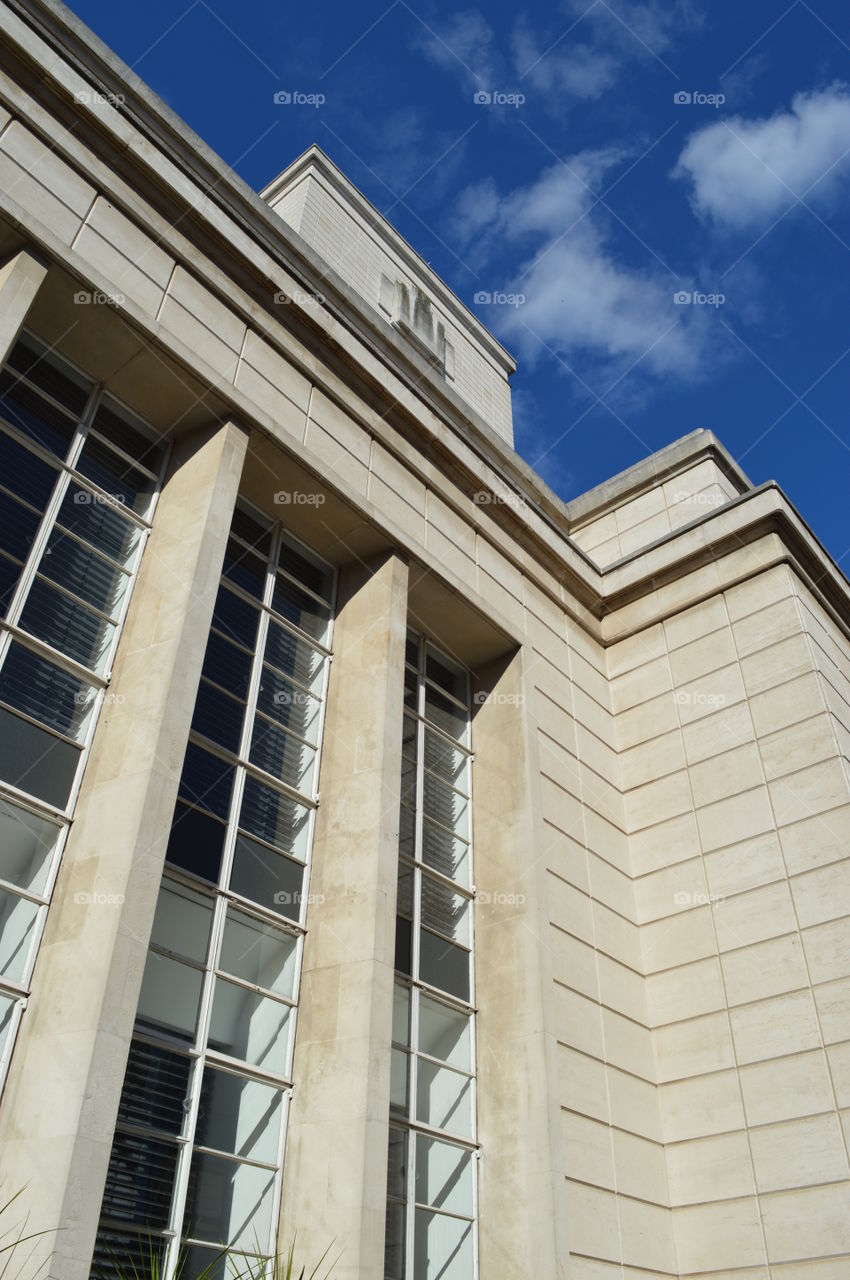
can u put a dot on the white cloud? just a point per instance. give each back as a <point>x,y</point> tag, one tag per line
<point>575,71</point>
<point>744,172</point>
<point>466,44</point>
<point>581,299</point>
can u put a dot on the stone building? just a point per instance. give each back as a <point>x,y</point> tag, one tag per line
<point>391,853</point>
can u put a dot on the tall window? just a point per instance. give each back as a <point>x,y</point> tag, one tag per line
<point>198,1149</point>
<point>431,1205</point>
<point>79,476</point>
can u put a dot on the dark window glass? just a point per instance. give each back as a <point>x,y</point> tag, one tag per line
<point>44,691</point>
<point>250,530</point>
<point>300,609</point>
<point>25,474</point>
<point>51,374</point>
<point>116,477</point>
<point>291,655</point>
<point>443,965</point>
<point>18,527</point>
<point>227,665</point>
<point>266,877</point>
<point>218,717</point>
<point>140,1180</point>
<point>88,516</point>
<point>35,761</point>
<point>244,568</point>
<point>281,755</point>
<point>31,414</point>
<point>196,843</point>
<point>131,438</point>
<point>66,625</point>
<point>235,617</point>
<point>9,574</point>
<point>79,569</point>
<point>155,1087</point>
<point>206,781</point>
<point>121,1254</point>
<point>309,572</point>
<point>274,817</point>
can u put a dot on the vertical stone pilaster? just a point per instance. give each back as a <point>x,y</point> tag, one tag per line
<point>61,1099</point>
<point>336,1153</point>
<point>20,280</point>
<point>522,1193</point>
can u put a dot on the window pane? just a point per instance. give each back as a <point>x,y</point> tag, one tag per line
<point>182,921</point>
<point>36,762</point>
<point>46,692</point>
<point>10,572</point>
<point>228,665</point>
<point>289,705</point>
<point>446,806</point>
<point>282,755</point>
<point>397,1164</point>
<point>99,523</point>
<point>267,878</point>
<point>67,625</point>
<point>250,1027</point>
<point>196,842</point>
<point>450,676</point>
<point>26,475</point>
<point>239,1116</point>
<point>18,526</point>
<point>398,1081</point>
<point>443,1176</point>
<point>410,689</point>
<point>444,760</point>
<point>245,569</point>
<point>32,415</point>
<point>444,910</point>
<point>80,570</point>
<point>139,440</point>
<point>444,1033</point>
<point>394,1242</point>
<point>294,657</point>
<point>275,818</point>
<point>443,1249</point>
<point>407,831</point>
<point>156,1085</point>
<point>50,373</point>
<point>258,953</point>
<point>301,610</point>
<point>218,717</point>
<point>236,617</point>
<point>307,569</point>
<point>401,1014</point>
<point>169,997</point>
<point>206,781</point>
<point>26,847</point>
<point>116,477</point>
<point>140,1180</point>
<point>119,1254</point>
<point>446,853</point>
<point>443,965</point>
<point>17,924</point>
<point>443,1098</point>
<point>229,1203</point>
<point>445,714</point>
<point>252,529</point>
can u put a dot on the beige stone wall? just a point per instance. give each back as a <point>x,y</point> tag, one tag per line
<point>736,807</point>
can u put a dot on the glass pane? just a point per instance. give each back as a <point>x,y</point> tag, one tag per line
<point>444,1033</point>
<point>404,904</point>
<point>169,997</point>
<point>407,832</point>
<point>25,409</point>
<point>282,756</point>
<point>137,439</point>
<point>411,686</point>
<point>91,517</point>
<point>50,373</point>
<point>236,617</point>
<point>36,762</point>
<point>397,1163</point>
<point>411,649</point>
<point>443,1098</point>
<point>444,910</point>
<point>394,1242</point>
<point>156,1086</point>
<point>408,782</point>
<point>10,572</point>
<point>80,570</point>
<point>398,1081</point>
<point>443,1176</point>
<point>289,705</point>
<point>250,1027</point>
<point>182,921</point>
<point>212,1264</point>
<point>196,842</point>
<point>140,1181</point>
<point>275,818</point>
<point>245,569</point>
<point>445,714</point>
<point>119,1254</point>
<point>218,717</point>
<point>229,1203</point>
<point>267,878</point>
<point>294,657</point>
<point>18,526</point>
<point>443,1248</point>
<point>123,482</point>
<point>446,853</point>
<point>26,847</point>
<point>446,761</point>
<point>401,1014</point>
<point>307,569</point>
<point>446,806</point>
<point>26,475</point>
<point>403,946</point>
<point>300,609</point>
<point>46,692</point>
<point>206,781</point>
<point>239,1116</point>
<point>67,625</point>
<point>228,665</point>
<point>443,965</point>
<point>17,925</point>
<point>450,676</point>
<point>258,953</point>
<point>253,529</point>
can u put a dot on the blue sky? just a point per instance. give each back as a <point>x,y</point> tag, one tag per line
<point>585,190</point>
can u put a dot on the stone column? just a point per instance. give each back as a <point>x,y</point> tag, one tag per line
<point>335,1171</point>
<point>522,1193</point>
<point>61,1100</point>
<point>20,280</point>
